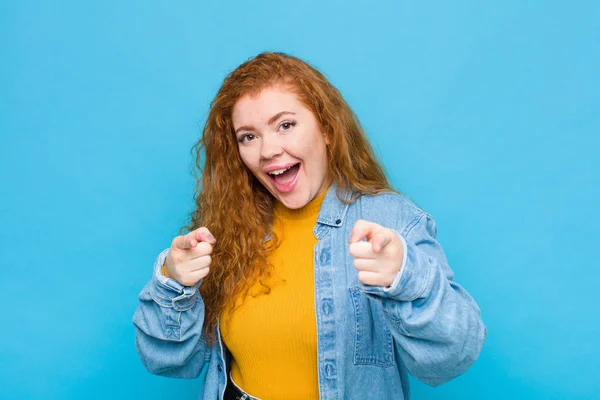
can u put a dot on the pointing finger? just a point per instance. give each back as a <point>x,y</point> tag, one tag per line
<point>203,235</point>
<point>380,239</point>
<point>363,229</point>
<point>185,242</point>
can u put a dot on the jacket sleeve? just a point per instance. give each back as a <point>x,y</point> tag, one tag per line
<point>436,324</point>
<point>168,326</point>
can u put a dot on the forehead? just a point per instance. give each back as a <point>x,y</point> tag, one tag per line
<point>257,108</point>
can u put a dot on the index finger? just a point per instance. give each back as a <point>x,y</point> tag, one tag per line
<point>184,242</point>
<point>363,229</point>
<point>381,238</point>
<point>202,234</point>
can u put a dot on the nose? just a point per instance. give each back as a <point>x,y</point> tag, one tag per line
<point>271,147</point>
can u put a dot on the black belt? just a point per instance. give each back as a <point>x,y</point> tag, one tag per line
<point>232,392</point>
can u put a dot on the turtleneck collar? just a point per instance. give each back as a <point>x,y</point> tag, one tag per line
<point>309,210</point>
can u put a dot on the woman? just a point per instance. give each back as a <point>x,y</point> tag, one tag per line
<point>304,274</point>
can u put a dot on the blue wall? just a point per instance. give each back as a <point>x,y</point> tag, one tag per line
<point>486,113</point>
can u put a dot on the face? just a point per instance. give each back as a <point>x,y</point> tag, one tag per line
<point>280,142</point>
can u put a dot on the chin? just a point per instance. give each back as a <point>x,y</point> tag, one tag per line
<point>293,205</point>
<point>295,202</point>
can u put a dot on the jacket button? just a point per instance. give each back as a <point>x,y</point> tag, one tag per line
<point>338,221</point>
<point>219,368</point>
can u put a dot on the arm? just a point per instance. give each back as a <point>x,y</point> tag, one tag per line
<point>435,322</point>
<point>168,326</point>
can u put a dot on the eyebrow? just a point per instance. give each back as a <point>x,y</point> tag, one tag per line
<point>271,120</point>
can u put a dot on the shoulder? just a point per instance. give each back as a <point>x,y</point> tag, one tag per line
<point>391,209</point>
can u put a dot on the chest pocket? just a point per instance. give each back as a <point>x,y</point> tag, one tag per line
<point>373,342</point>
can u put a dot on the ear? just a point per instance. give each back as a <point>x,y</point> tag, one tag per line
<point>326,138</point>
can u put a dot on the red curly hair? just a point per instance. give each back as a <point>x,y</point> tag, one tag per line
<point>235,206</point>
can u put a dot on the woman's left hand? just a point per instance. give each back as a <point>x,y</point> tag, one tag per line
<point>379,259</point>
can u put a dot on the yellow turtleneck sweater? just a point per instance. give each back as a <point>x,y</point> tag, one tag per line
<point>273,337</point>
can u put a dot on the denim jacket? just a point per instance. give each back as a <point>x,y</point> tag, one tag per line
<point>368,337</point>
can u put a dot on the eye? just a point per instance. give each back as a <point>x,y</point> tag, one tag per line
<point>287,125</point>
<point>246,137</point>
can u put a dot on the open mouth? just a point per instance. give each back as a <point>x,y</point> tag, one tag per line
<point>285,179</point>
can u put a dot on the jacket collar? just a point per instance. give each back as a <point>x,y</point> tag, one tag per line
<point>333,211</point>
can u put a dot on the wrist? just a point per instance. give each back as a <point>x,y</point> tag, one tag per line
<point>164,270</point>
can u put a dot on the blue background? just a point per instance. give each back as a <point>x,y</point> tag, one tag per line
<point>485,113</point>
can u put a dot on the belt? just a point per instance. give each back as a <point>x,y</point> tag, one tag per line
<point>234,392</point>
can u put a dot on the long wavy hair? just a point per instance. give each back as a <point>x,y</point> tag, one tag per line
<point>232,203</point>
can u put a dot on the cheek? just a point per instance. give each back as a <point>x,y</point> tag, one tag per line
<point>300,147</point>
<point>251,158</point>
<point>248,158</point>
<point>313,154</point>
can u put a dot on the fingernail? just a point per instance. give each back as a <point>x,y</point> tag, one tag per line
<point>211,237</point>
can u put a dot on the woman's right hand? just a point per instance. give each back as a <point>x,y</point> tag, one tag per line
<point>189,258</point>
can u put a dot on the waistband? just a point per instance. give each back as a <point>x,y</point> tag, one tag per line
<point>234,392</point>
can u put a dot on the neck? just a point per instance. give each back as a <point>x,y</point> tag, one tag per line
<point>311,208</point>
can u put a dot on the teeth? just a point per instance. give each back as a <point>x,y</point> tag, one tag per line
<point>279,171</point>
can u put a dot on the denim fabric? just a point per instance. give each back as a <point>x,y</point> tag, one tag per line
<point>368,337</point>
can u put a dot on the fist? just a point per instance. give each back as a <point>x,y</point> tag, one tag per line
<point>378,260</point>
<point>188,260</point>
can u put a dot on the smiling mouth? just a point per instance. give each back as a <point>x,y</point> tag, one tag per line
<point>283,178</point>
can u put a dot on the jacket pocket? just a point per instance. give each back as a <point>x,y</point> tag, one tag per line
<point>373,342</point>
